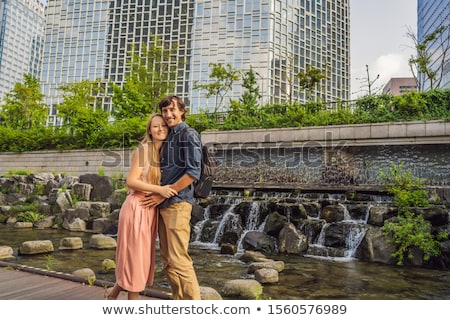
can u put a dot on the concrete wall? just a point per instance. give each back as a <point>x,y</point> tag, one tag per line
<point>417,132</point>
<point>75,162</point>
<point>116,162</point>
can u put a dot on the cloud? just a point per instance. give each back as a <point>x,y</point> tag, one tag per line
<point>391,65</point>
<point>386,67</point>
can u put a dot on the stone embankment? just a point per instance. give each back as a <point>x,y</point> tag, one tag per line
<point>294,224</point>
<point>91,203</point>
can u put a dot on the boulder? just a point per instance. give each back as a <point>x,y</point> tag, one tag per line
<point>266,275</point>
<point>100,241</point>
<point>36,247</point>
<point>276,265</point>
<point>71,243</point>
<point>85,273</point>
<point>242,289</point>
<point>6,252</point>
<point>208,293</point>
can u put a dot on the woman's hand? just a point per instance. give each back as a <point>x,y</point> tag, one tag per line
<point>167,191</point>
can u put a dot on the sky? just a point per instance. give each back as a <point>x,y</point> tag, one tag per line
<point>378,39</point>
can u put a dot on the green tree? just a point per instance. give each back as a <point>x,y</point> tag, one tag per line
<point>24,107</point>
<point>245,112</point>
<point>225,77</point>
<point>421,66</point>
<point>81,115</point>
<point>251,94</point>
<point>309,80</point>
<point>151,75</point>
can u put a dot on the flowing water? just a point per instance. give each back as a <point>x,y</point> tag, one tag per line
<point>303,277</point>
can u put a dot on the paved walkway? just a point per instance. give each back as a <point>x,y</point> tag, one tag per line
<point>18,282</point>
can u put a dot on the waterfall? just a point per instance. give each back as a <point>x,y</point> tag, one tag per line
<point>353,239</point>
<point>197,229</point>
<point>253,217</point>
<point>235,216</point>
<point>252,224</point>
<point>228,218</point>
<point>355,231</point>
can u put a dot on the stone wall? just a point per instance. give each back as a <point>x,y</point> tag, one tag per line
<point>116,162</point>
<point>113,162</point>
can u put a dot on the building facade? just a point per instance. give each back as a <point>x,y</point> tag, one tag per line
<point>134,24</point>
<point>398,86</point>
<point>92,39</point>
<point>21,40</point>
<point>277,39</point>
<point>431,15</point>
<point>76,34</point>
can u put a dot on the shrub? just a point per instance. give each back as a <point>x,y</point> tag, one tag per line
<point>411,230</point>
<point>29,216</point>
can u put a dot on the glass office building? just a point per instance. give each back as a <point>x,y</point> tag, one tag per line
<point>75,46</point>
<point>133,23</point>
<point>87,39</point>
<point>21,40</point>
<point>92,39</point>
<point>432,14</point>
<point>277,39</point>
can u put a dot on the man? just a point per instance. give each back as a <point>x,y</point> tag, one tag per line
<point>180,167</point>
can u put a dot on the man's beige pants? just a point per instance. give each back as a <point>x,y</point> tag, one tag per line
<point>174,236</point>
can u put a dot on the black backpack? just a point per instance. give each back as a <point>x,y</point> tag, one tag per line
<point>203,186</point>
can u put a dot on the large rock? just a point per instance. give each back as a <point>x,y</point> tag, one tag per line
<point>276,265</point>
<point>208,293</point>
<point>23,224</point>
<point>60,200</point>
<point>99,209</point>
<point>266,275</point>
<point>253,256</point>
<point>85,273</point>
<point>82,191</point>
<point>36,247</point>
<point>71,243</point>
<point>102,186</point>
<point>47,222</point>
<point>292,241</point>
<point>259,241</point>
<point>102,225</point>
<point>76,225</point>
<point>242,288</point>
<point>100,241</point>
<point>6,252</point>
<point>376,248</point>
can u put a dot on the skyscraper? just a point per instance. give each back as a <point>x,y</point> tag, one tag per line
<point>133,23</point>
<point>431,15</point>
<point>276,38</point>
<point>75,46</point>
<point>21,40</point>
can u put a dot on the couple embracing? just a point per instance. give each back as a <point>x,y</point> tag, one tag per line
<point>159,202</point>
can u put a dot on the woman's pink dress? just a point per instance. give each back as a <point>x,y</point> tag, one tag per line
<point>136,247</point>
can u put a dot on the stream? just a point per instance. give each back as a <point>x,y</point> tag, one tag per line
<point>304,278</point>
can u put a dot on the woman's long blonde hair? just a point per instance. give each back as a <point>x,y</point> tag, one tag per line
<point>154,172</point>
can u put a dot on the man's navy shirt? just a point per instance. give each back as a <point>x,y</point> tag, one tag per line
<point>180,154</point>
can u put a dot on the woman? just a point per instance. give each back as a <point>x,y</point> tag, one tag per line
<point>138,225</point>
